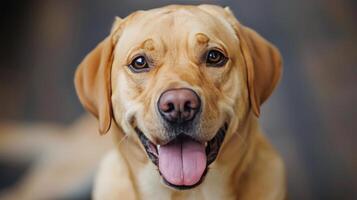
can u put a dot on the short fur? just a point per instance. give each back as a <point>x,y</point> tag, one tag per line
<point>175,37</point>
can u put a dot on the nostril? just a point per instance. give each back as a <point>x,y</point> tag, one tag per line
<point>187,107</point>
<point>167,107</point>
<point>170,107</point>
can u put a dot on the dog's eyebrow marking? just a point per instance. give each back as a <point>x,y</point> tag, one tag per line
<point>202,38</point>
<point>148,45</point>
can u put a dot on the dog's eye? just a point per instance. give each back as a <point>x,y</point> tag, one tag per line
<point>215,58</point>
<point>139,64</point>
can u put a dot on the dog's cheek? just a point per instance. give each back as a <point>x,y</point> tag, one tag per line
<point>208,127</point>
<point>151,125</point>
<point>240,97</point>
<point>123,102</point>
<point>118,107</point>
<point>211,115</point>
<point>115,97</point>
<point>234,102</point>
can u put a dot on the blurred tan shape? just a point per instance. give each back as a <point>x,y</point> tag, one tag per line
<point>65,157</point>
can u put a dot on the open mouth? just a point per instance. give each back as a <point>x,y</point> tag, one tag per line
<point>183,162</point>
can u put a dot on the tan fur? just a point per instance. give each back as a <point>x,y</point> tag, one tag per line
<point>175,37</point>
<point>64,158</point>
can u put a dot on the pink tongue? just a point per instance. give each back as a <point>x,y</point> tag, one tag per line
<point>182,162</point>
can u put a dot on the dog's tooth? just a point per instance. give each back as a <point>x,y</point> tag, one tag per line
<point>158,147</point>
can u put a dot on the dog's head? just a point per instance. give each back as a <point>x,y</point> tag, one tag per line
<point>178,77</point>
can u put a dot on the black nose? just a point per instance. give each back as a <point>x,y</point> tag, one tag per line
<point>179,105</point>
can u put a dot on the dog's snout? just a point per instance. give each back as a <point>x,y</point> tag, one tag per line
<point>179,105</point>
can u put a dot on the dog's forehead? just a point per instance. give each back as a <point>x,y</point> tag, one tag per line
<point>174,23</point>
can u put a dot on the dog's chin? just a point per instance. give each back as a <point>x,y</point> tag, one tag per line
<point>183,157</point>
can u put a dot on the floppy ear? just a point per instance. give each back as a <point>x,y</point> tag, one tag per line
<point>264,66</point>
<point>92,81</point>
<point>262,59</point>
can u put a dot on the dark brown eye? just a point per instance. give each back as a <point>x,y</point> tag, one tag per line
<point>139,64</point>
<point>215,58</point>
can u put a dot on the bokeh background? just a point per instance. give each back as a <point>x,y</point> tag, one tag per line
<point>311,118</point>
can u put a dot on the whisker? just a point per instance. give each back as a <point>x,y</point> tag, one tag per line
<point>123,139</point>
<point>242,139</point>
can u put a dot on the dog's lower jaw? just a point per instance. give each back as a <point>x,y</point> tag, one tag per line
<point>211,150</point>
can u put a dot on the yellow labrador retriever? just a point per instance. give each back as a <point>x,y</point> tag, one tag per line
<point>181,89</point>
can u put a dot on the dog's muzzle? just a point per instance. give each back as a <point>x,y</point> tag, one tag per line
<point>183,160</point>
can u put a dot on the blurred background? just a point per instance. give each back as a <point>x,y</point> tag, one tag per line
<point>311,118</point>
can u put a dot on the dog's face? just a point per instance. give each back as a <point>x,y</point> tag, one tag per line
<point>182,78</point>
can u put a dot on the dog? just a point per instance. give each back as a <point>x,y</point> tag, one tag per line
<point>180,87</point>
